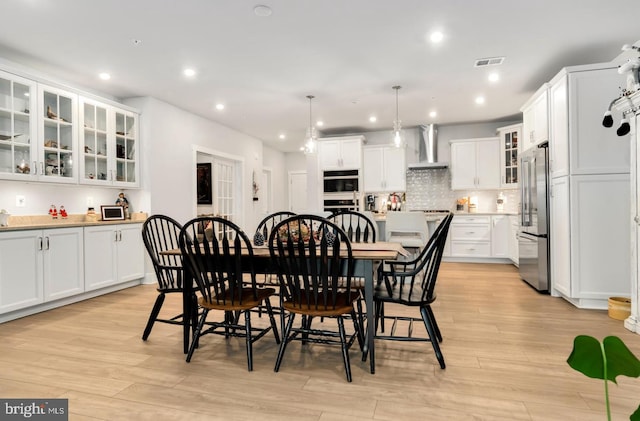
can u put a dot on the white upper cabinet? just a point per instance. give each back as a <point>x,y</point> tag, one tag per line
<point>535,117</point>
<point>384,169</point>
<point>110,148</point>
<point>18,127</point>
<point>475,163</point>
<point>509,146</point>
<point>58,135</point>
<point>340,153</point>
<point>580,144</point>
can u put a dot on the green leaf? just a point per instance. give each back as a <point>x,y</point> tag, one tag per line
<point>636,415</point>
<point>588,357</point>
<point>620,360</point>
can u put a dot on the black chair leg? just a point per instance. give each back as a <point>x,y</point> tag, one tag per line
<point>249,339</point>
<point>194,314</point>
<point>345,348</point>
<point>284,342</point>
<point>196,334</point>
<point>359,330</point>
<point>432,317</point>
<point>154,315</point>
<point>272,320</point>
<point>432,336</point>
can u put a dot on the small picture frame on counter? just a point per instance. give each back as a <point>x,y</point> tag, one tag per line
<point>112,213</point>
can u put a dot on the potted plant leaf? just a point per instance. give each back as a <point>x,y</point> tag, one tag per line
<point>605,361</point>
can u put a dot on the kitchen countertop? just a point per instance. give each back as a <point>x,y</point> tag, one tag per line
<point>438,215</point>
<point>33,222</point>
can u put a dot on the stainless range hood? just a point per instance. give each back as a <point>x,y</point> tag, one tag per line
<point>427,149</point>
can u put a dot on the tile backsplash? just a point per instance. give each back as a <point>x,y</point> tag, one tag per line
<point>431,189</point>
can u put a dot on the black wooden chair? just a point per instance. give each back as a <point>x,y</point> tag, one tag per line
<point>266,225</point>
<point>357,226</point>
<point>160,233</point>
<point>307,250</point>
<point>412,283</point>
<point>218,266</point>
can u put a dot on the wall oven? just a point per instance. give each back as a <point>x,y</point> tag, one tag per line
<point>340,190</point>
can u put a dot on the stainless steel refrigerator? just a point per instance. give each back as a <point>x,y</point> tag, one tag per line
<point>533,239</point>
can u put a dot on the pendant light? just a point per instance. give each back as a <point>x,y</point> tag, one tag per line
<point>312,136</point>
<point>398,138</point>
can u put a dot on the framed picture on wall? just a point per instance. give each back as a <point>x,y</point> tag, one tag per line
<point>204,184</point>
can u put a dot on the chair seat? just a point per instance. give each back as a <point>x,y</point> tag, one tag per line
<point>344,305</point>
<point>247,301</point>
<point>402,295</point>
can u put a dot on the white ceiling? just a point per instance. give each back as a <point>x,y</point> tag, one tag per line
<point>348,53</point>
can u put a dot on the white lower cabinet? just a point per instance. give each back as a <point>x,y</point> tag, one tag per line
<point>500,228</point>
<point>470,236</point>
<point>113,254</point>
<point>514,252</point>
<point>39,265</point>
<point>590,225</point>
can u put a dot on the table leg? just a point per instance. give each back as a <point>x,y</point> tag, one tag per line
<point>369,285</point>
<point>187,291</point>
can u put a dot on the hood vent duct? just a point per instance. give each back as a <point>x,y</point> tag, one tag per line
<point>427,148</point>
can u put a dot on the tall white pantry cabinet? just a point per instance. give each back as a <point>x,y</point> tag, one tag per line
<point>590,191</point>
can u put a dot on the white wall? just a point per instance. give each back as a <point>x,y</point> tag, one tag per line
<point>169,138</point>
<point>276,161</point>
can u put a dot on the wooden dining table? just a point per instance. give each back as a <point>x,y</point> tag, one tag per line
<point>366,256</point>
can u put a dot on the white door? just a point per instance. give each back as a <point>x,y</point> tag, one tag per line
<point>130,252</point>
<point>224,181</point>
<point>20,270</point>
<point>298,192</point>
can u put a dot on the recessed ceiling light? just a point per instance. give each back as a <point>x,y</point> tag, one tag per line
<point>136,41</point>
<point>219,106</point>
<point>319,123</point>
<point>493,77</point>
<point>104,76</point>
<point>373,119</point>
<point>480,100</point>
<point>282,136</point>
<point>27,94</point>
<point>433,114</point>
<point>436,37</point>
<point>189,72</point>
<point>302,148</point>
<point>262,10</point>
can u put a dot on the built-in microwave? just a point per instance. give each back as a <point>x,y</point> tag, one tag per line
<point>340,181</point>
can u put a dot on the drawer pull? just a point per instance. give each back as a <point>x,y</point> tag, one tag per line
<point>471,232</point>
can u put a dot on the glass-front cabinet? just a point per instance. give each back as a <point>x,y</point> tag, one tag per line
<point>18,127</point>
<point>108,137</point>
<point>126,148</point>
<point>58,134</point>
<point>510,137</point>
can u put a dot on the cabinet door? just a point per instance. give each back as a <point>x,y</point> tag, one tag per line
<point>351,154</point>
<point>63,258</point>
<point>600,252</point>
<point>329,154</point>
<point>559,142</point>
<point>20,270</point>
<point>373,163</point>
<point>95,142</point>
<point>595,149</point>
<point>560,238</point>
<point>500,229</point>
<point>514,254</point>
<point>541,119</point>
<point>463,165</point>
<point>18,128</point>
<point>528,122</point>
<point>100,257</point>
<point>488,164</point>
<point>509,141</point>
<point>58,137</point>
<point>126,169</point>
<point>395,169</point>
<point>130,252</point>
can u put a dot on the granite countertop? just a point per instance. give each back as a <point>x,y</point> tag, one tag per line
<point>435,215</point>
<point>32,222</point>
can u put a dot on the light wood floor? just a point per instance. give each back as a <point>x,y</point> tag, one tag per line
<point>505,346</point>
